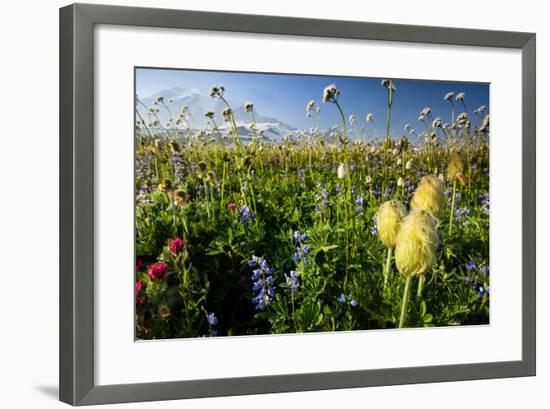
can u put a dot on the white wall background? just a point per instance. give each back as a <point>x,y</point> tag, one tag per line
<point>29,200</point>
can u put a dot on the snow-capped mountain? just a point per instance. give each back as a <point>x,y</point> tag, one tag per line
<point>197,104</point>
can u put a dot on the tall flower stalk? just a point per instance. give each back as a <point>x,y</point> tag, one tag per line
<point>388,84</point>
<point>331,94</point>
<point>218,92</point>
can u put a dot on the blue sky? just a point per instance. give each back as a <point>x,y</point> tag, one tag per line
<point>284,96</point>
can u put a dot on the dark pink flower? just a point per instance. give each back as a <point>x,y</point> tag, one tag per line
<point>157,271</point>
<point>140,300</point>
<point>176,245</point>
<point>232,206</point>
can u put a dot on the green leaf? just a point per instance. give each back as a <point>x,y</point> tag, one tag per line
<point>423,308</point>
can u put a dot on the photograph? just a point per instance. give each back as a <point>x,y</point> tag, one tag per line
<point>284,203</point>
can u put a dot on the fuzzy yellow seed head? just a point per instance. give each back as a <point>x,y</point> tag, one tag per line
<point>456,166</point>
<point>174,146</point>
<point>165,185</point>
<point>429,196</point>
<point>180,198</point>
<point>389,217</point>
<point>203,167</point>
<point>416,243</point>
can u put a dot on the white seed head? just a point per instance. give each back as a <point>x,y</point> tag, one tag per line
<point>342,171</point>
<point>217,91</point>
<point>462,118</point>
<point>485,124</point>
<point>227,113</point>
<point>449,96</point>
<point>330,93</point>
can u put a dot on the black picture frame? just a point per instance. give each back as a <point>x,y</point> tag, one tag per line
<point>77,21</point>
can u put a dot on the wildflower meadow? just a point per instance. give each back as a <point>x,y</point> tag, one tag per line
<point>358,221</point>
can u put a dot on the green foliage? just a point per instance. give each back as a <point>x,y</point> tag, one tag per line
<point>291,187</point>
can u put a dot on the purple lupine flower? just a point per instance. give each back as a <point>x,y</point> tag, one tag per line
<point>461,213</point>
<point>212,322</point>
<point>347,299</point>
<point>302,249</point>
<point>262,279</point>
<point>300,237</point>
<point>291,282</point>
<point>211,318</point>
<point>359,204</point>
<point>471,265</point>
<point>322,198</point>
<point>482,291</point>
<point>484,270</point>
<point>246,215</point>
<point>179,168</point>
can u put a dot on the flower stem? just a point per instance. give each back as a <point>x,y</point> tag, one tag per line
<point>387,266</point>
<point>452,207</point>
<point>347,203</point>
<point>405,301</point>
<point>421,281</point>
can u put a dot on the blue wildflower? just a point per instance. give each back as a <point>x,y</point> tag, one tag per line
<point>300,237</point>
<point>178,164</point>
<point>484,270</point>
<point>254,261</point>
<point>212,322</point>
<point>471,265</point>
<point>343,299</point>
<point>302,250</point>
<point>291,282</point>
<point>483,291</point>
<point>246,215</point>
<point>322,198</point>
<point>262,279</point>
<point>374,229</point>
<point>359,202</point>
<point>212,319</point>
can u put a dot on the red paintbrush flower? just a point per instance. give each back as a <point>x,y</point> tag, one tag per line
<point>176,245</point>
<point>157,271</point>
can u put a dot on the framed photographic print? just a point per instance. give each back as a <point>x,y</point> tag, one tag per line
<point>255,204</point>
